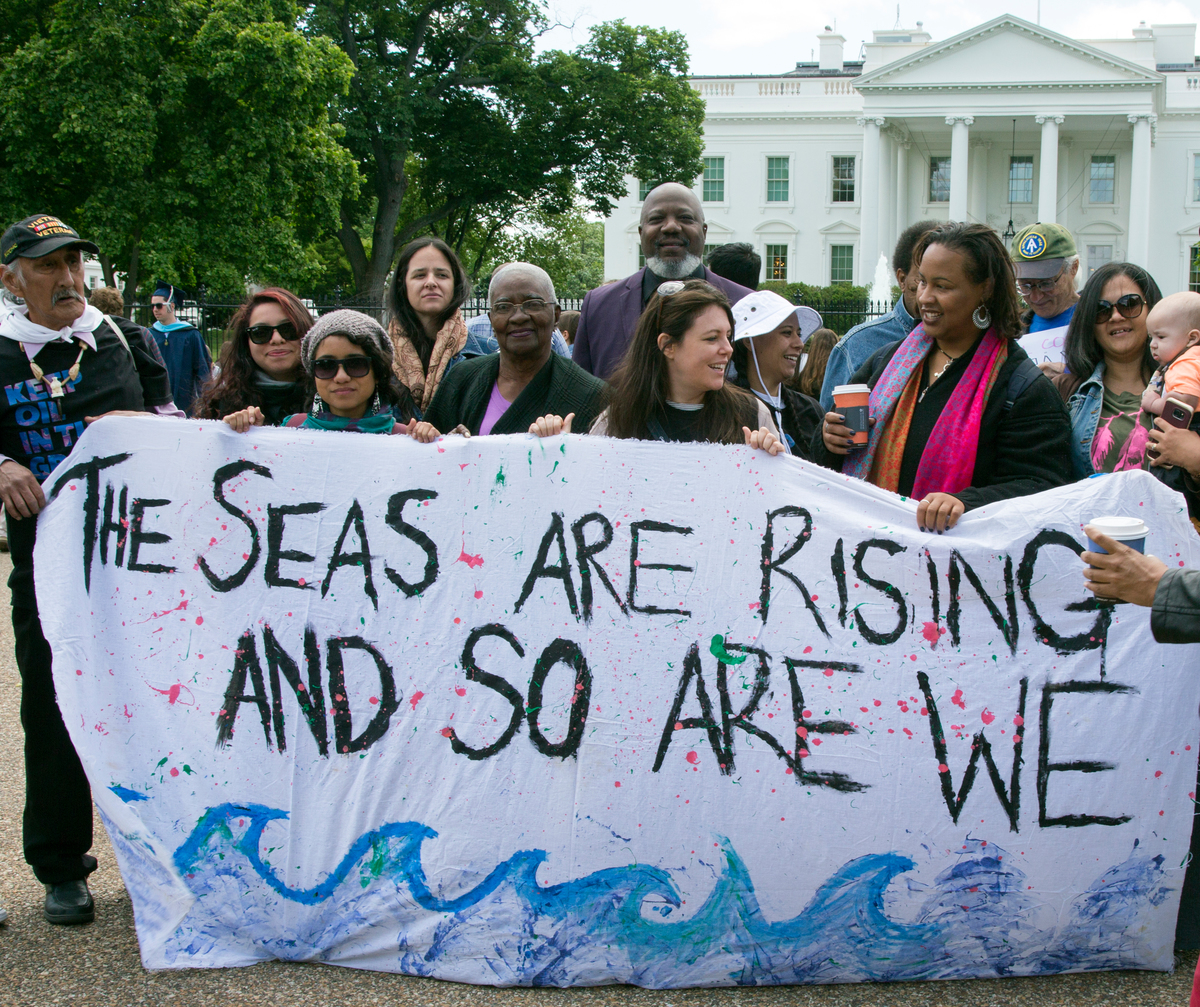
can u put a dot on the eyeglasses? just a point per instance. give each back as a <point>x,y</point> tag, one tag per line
<point>160,304</point>
<point>1128,306</point>
<point>1042,286</point>
<point>665,290</point>
<point>260,334</point>
<point>531,306</point>
<point>326,368</point>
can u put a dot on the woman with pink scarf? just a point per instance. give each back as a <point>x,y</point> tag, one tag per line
<point>960,416</point>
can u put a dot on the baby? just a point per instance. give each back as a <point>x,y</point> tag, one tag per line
<point>1174,329</point>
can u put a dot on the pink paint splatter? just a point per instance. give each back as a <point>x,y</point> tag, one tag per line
<point>957,699</point>
<point>471,561</point>
<point>460,690</point>
<point>616,783</point>
<point>943,768</point>
<point>174,771</point>
<point>416,698</point>
<point>447,731</point>
<point>478,594</point>
<point>932,633</point>
<point>692,758</point>
<point>987,716</point>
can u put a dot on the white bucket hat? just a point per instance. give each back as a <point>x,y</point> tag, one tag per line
<point>763,311</point>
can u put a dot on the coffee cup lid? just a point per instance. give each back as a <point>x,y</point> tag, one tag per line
<point>852,390</point>
<point>1120,527</point>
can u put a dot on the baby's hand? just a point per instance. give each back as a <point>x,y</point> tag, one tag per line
<point>1152,402</point>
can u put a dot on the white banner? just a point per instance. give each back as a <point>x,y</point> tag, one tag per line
<point>581,711</point>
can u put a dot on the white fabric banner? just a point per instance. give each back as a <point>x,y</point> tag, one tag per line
<point>580,711</point>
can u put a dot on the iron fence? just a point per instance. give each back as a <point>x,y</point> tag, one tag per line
<point>842,315</point>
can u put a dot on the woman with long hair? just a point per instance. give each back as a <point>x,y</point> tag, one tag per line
<point>427,328</point>
<point>812,376</point>
<point>261,380</point>
<point>670,385</point>
<point>961,417</point>
<point>1109,364</point>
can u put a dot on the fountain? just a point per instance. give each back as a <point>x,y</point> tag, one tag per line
<point>880,290</point>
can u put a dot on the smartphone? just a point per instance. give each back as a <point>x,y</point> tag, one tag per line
<point>1177,414</point>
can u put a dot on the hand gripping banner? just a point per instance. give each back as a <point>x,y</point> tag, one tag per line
<point>577,711</point>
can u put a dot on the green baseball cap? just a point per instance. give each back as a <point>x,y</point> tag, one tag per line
<point>1039,250</point>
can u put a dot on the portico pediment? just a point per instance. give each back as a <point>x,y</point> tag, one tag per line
<point>1005,54</point>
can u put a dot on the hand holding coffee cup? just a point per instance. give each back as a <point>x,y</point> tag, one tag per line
<point>1116,567</point>
<point>849,427</point>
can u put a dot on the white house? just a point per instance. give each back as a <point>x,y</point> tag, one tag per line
<point>821,168</point>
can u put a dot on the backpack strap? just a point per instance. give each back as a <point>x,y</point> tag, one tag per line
<point>1026,374</point>
<point>120,334</point>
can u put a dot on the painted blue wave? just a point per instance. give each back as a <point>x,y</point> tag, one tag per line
<point>628,924</point>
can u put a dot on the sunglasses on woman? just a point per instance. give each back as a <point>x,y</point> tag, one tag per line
<point>260,334</point>
<point>326,368</point>
<point>1128,306</point>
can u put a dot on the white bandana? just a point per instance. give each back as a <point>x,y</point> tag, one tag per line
<point>16,326</point>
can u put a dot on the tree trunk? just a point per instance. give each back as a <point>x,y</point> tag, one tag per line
<point>110,276</point>
<point>131,278</point>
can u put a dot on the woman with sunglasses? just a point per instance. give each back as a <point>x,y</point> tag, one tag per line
<point>348,357</point>
<point>670,385</point>
<point>260,379</point>
<point>1109,365</point>
<point>961,417</point>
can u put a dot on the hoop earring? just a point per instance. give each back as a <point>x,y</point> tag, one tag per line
<point>982,318</point>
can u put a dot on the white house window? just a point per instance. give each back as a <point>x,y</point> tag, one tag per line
<point>939,180</point>
<point>644,188</point>
<point>843,179</point>
<point>777,180</point>
<point>1020,179</point>
<point>709,248</point>
<point>841,264</point>
<point>1103,181</point>
<point>1196,178</point>
<point>714,180</point>
<point>641,257</point>
<point>777,260</point>
<point>1097,256</point>
<point>1194,269</point>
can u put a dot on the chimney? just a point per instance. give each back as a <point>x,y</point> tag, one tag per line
<point>1141,31</point>
<point>831,49</point>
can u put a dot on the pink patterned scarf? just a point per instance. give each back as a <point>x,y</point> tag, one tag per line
<point>948,458</point>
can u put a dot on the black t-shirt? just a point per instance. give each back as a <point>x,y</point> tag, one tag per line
<point>39,431</point>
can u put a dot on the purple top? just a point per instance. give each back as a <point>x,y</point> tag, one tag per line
<point>497,407</point>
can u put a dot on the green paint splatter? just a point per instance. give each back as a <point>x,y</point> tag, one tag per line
<point>500,476</point>
<point>717,649</point>
<point>187,769</point>
<point>162,762</point>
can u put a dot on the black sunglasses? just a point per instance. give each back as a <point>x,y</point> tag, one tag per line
<point>326,368</point>
<point>1128,306</point>
<point>260,334</point>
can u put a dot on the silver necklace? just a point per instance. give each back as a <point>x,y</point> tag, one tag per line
<point>933,379</point>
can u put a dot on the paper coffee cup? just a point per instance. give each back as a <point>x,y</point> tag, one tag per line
<point>1129,531</point>
<point>852,402</point>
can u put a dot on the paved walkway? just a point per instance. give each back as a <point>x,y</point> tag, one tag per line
<point>98,965</point>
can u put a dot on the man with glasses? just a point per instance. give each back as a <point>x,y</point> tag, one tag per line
<point>187,358</point>
<point>62,364</point>
<point>1046,262</point>
<point>508,391</point>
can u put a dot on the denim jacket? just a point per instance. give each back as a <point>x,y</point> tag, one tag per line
<point>856,346</point>
<point>1084,406</point>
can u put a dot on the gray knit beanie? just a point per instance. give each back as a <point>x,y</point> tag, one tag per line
<point>360,329</point>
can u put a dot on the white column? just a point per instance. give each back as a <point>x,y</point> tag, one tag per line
<point>868,240</point>
<point>1048,172</point>
<point>960,146</point>
<point>902,220</point>
<point>979,170</point>
<point>1139,189</point>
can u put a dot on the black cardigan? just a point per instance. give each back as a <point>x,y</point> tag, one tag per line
<point>560,387</point>
<point>1022,450</point>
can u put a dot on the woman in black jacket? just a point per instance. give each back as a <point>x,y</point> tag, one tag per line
<point>960,416</point>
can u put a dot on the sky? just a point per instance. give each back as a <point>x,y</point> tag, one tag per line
<point>770,36</point>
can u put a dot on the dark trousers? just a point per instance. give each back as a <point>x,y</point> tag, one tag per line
<point>57,826</point>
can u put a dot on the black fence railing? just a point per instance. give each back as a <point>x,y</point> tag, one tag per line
<point>212,317</point>
<point>842,315</point>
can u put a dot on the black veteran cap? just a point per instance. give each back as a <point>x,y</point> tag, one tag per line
<point>40,235</point>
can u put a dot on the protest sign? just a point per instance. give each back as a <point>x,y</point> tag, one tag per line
<point>575,711</point>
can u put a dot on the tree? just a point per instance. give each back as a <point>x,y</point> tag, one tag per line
<point>190,139</point>
<point>451,116</point>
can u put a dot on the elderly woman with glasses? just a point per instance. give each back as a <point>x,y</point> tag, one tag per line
<point>507,392</point>
<point>1109,364</point>
<point>260,380</point>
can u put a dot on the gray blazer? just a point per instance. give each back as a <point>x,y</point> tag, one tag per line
<point>610,314</point>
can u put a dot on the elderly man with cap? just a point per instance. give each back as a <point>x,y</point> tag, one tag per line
<point>768,340</point>
<point>189,363</point>
<point>1046,261</point>
<point>672,232</point>
<point>507,392</point>
<point>62,364</point>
